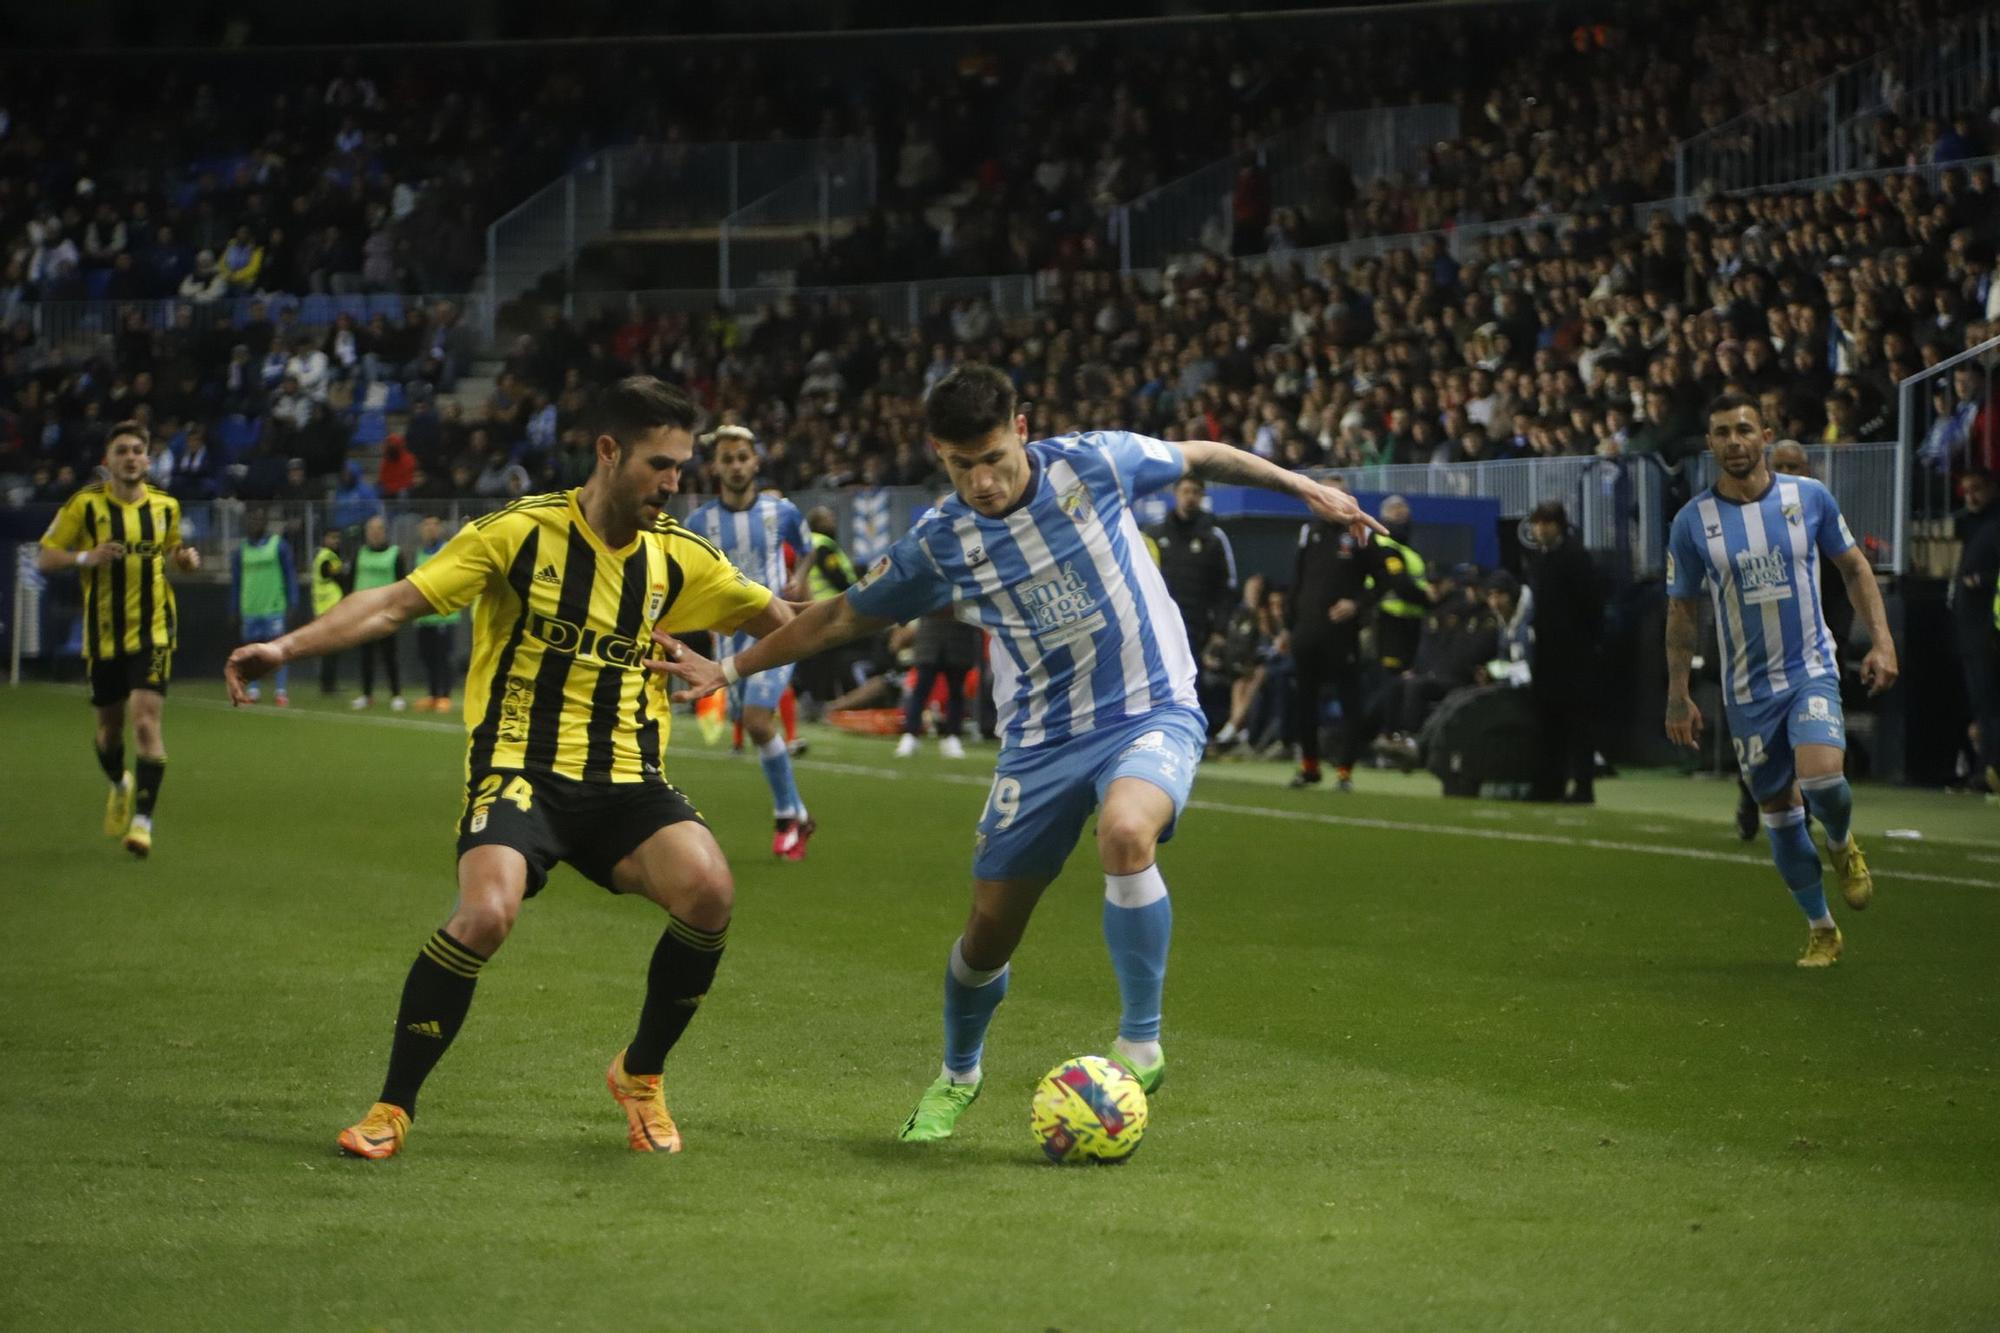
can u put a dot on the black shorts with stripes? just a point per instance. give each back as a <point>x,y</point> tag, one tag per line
<point>112,679</point>
<point>548,818</point>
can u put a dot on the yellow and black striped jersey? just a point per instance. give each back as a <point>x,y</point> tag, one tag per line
<point>562,627</point>
<point>128,605</point>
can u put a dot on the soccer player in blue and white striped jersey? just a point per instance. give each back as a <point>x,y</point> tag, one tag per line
<point>1093,674</point>
<point>753,529</point>
<point>1756,540</point>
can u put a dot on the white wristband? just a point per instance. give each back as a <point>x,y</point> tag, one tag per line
<point>730,675</point>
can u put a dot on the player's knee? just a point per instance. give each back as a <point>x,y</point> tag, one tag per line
<point>483,922</point>
<point>146,734</point>
<point>758,725</point>
<point>707,899</point>
<point>1126,841</point>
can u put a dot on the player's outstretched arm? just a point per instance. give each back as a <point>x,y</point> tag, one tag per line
<point>1228,465</point>
<point>781,639</point>
<point>1879,669</point>
<point>355,619</point>
<point>1683,718</point>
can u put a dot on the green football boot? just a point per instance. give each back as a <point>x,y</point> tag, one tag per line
<point>1149,1078</point>
<point>938,1110</point>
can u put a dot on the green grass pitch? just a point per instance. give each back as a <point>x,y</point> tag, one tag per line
<point>1434,1064</point>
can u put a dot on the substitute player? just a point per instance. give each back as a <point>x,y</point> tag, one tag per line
<point>1039,546</point>
<point>567,732</point>
<point>119,535</point>
<point>752,528</point>
<point>1757,541</point>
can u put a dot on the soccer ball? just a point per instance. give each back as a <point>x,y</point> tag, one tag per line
<point>1088,1110</point>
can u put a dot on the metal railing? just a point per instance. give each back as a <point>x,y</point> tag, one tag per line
<point>641,187</point>
<point>1870,482</point>
<point>1938,441</point>
<point>1823,129</point>
<point>764,240</point>
<point>899,305</point>
<point>1195,211</point>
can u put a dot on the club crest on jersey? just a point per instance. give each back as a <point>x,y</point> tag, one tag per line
<point>1076,503</point>
<point>1794,513</point>
<point>1763,576</point>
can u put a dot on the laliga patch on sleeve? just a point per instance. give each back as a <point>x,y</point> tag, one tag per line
<point>874,574</point>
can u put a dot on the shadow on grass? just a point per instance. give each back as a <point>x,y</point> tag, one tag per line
<point>951,1155</point>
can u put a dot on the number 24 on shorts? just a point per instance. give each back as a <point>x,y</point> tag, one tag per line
<point>519,791</point>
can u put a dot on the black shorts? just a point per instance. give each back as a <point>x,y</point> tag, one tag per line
<point>115,677</point>
<point>547,818</point>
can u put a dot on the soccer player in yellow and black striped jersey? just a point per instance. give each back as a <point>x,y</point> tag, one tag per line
<point>567,731</point>
<point>120,534</point>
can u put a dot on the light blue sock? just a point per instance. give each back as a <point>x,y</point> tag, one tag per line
<point>1832,803</point>
<point>1798,862</point>
<point>970,997</point>
<point>1138,924</point>
<point>776,757</point>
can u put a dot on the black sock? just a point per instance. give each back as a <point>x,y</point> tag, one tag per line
<point>435,998</point>
<point>683,967</point>
<point>112,761</point>
<point>149,774</point>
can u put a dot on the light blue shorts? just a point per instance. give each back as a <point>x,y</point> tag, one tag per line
<point>763,690</point>
<point>1767,732</point>
<point>1042,796</point>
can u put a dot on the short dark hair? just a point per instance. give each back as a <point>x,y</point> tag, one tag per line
<point>638,404</point>
<point>969,404</point>
<point>1550,511</point>
<point>1732,401</point>
<point>129,427</point>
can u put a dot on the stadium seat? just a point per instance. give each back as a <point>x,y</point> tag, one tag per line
<point>352,305</point>
<point>388,305</point>
<point>316,311</point>
<point>237,434</point>
<point>394,399</point>
<point>370,428</point>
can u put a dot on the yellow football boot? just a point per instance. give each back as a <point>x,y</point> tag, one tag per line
<point>118,808</point>
<point>139,837</point>
<point>1857,885</point>
<point>380,1133</point>
<point>648,1126</point>
<point>1822,947</point>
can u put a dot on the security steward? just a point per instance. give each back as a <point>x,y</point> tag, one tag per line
<point>1197,563</point>
<point>1404,592</point>
<point>330,580</point>
<point>1333,588</point>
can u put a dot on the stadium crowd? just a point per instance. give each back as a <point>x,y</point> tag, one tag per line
<point>1563,340</point>
<point>378,172</point>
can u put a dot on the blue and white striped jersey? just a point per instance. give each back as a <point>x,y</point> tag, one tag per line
<point>755,538</point>
<point>1082,625</point>
<point>1760,561</point>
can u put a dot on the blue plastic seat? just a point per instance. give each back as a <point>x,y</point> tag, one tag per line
<point>316,311</point>
<point>371,428</point>
<point>387,304</point>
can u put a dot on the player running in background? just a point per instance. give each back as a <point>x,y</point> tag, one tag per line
<point>120,534</point>
<point>1093,670</point>
<point>566,733</point>
<point>752,529</point>
<point>1757,541</point>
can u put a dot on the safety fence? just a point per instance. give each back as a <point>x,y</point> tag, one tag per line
<point>1828,127</point>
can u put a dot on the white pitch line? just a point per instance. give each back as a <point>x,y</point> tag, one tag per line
<point>1219,807</point>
